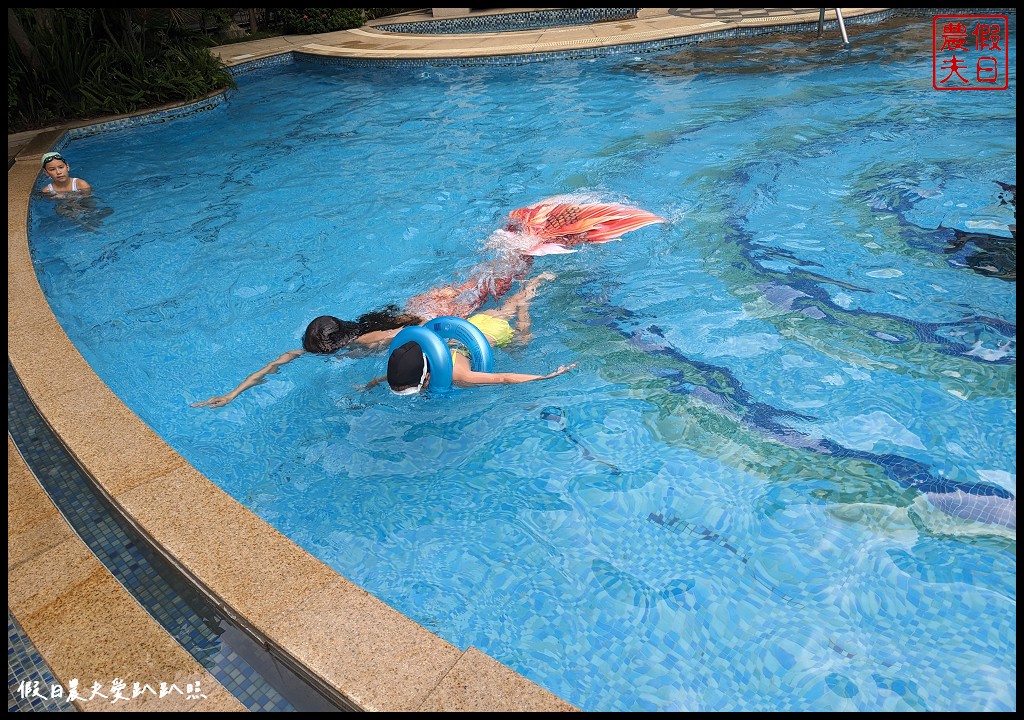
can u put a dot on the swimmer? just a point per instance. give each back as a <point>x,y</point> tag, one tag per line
<point>409,372</point>
<point>327,334</point>
<point>62,185</point>
<point>74,196</point>
<point>553,226</point>
<point>408,368</point>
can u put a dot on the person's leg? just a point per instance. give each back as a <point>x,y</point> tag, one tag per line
<point>517,307</point>
<point>487,280</point>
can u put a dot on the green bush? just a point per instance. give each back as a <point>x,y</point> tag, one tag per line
<point>310,21</point>
<point>85,63</point>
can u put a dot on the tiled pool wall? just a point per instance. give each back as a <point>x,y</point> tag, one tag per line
<point>25,666</point>
<point>260,681</point>
<point>511,22</point>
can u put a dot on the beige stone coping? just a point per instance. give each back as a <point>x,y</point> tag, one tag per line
<point>369,653</point>
<point>651,24</point>
<point>86,625</point>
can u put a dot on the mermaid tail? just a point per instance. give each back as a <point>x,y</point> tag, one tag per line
<point>487,281</point>
<point>560,226</point>
<point>552,226</point>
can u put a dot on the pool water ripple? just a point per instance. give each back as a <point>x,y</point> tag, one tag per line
<point>783,476</point>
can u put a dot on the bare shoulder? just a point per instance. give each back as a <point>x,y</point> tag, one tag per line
<point>377,337</point>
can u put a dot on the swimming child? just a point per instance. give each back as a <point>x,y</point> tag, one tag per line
<point>409,372</point>
<point>74,196</point>
<point>409,369</point>
<point>62,185</point>
<point>327,334</point>
<point>554,226</point>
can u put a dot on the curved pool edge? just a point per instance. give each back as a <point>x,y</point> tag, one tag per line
<point>52,572</point>
<point>653,28</point>
<point>292,603</point>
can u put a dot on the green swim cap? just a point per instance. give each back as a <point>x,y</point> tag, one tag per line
<point>47,157</point>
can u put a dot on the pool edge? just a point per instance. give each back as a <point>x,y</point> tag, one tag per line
<point>53,575</point>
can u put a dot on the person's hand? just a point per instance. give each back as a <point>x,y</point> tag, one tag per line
<point>214,402</point>
<point>562,369</point>
<point>530,290</point>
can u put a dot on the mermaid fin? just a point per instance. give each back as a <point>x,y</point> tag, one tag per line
<point>571,224</point>
<point>549,249</point>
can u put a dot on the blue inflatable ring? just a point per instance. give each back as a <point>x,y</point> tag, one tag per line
<point>431,338</point>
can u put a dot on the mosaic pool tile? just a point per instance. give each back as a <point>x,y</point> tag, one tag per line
<point>186,614</point>
<point>510,22</point>
<point>29,678</point>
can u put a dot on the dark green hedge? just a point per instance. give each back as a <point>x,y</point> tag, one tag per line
<point>69,64</point>
<point>311,21</point>
<point>80,63</point>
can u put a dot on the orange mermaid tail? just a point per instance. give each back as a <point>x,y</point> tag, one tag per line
<point>487,280</point>
<point>550,227</point>
<point>563,225</point>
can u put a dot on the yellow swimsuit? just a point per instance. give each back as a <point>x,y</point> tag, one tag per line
<point>496,329</point>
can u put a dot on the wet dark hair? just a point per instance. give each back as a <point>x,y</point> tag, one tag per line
<point>405,366</point>
<point>328,334</point>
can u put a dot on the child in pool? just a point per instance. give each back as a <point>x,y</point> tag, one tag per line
<point>62,185</point>
<point>74,196</point>
<point>554,226</point>
<point>409,371</point>
<point>373,331</point>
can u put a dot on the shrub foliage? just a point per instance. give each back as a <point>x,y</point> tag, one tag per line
<point>81,63</point>
<point>311,21</point>
<point>68,64</point>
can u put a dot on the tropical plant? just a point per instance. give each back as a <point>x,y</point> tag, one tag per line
<point>81,63</point>
<point>311,21</point>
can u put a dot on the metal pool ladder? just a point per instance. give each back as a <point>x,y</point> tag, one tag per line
<point>842,25</point>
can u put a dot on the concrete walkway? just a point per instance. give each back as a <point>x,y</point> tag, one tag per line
<point>369,42</point>
<point>650,24</point>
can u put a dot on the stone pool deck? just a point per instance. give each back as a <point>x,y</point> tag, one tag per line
<point>85,624</point>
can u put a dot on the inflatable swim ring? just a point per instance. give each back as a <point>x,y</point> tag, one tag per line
<point>432,337</point>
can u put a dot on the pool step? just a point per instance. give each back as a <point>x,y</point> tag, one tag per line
<point>84,624</point>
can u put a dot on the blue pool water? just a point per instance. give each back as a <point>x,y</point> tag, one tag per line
<point>783,476</point>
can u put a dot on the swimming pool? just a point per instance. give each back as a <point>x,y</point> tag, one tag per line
<point>730,505</point>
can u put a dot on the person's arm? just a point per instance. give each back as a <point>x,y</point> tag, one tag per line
<point>373,383</point>
<point>369,343</point>
<point>254,379</point>
<point>470,378</point>
<point>83,186</point>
